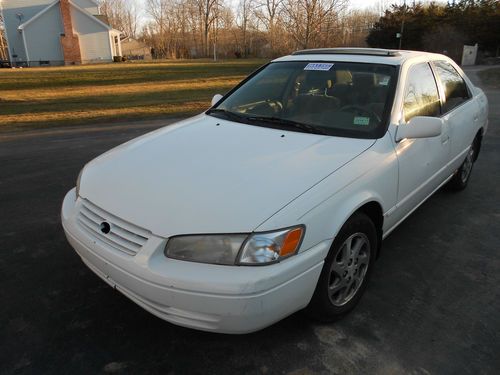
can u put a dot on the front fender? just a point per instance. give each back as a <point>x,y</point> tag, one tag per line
<point>371,177</point>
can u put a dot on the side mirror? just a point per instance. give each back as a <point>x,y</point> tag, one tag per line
<point>216,99</point>
<point>420,127</point>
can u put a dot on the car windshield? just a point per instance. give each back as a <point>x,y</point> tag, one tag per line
<point>332,98</point>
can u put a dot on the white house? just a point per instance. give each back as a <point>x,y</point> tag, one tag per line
<point>57,32</point>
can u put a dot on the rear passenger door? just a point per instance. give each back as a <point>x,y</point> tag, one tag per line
<point>422,161</point>
<point>460,111</point>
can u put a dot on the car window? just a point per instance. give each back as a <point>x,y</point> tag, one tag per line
<point>338,98</point>
<point>454,86</point>
<point>421,95</point>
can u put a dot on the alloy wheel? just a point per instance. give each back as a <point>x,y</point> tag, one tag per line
<point>467,166</point>
<point>348,269</point>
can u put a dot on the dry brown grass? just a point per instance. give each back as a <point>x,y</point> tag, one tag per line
<point>43,97</point>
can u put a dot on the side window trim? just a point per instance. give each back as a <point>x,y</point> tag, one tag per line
<point>439,87</point>
<point>442,90</point>
<point>405,90</point>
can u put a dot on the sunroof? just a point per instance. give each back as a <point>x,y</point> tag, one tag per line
<point>348,51</point>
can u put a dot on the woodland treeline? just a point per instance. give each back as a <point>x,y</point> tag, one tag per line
<point>253,28</point>
<point>269,28</point>
<point>441,28</point>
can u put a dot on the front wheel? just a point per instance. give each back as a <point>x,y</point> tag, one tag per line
<point>461,177</point>
<point>346,270</point>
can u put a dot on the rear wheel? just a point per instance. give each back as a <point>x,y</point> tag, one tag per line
<point>346,270</point>
<point>461,177</point>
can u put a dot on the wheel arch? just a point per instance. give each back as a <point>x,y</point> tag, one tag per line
<point>479,139</point>
<point>371,207</point>
<point>374,211</point>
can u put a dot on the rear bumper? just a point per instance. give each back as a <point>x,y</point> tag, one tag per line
<point>226,299</point>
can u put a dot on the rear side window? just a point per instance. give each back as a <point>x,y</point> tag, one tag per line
<point>454,86</point>
<point>421,96</point>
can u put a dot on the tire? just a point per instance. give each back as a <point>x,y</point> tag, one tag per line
<point>462,175</point>
<point>336,294</point>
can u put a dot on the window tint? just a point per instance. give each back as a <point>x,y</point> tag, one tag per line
<point>454,86</point>
<point>421,98</point>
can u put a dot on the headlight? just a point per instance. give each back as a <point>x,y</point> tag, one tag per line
<point>217,249</point>
<point>262,248</point>
<point>78,183</point>
<point>230,249</point>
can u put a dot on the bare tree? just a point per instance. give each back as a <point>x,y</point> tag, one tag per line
<point>244,18</point>
<point>196,28</point>
<point>123,15</point>
<point>312,22</point>
<point>355,26</point>
<point>4,55</point>
<point>208,11</point>
<point>268,12</point>
<point>157,27</point>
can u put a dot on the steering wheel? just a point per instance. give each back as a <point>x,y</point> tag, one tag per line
<point>276,105</point>
<point>267,108</point>
<point>357,109</point>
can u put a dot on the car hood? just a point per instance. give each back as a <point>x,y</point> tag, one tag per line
<point>207,175</point>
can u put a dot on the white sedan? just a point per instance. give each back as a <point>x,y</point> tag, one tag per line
<point>278,197</point>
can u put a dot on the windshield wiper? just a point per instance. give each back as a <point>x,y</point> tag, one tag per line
<point>226,114</point>
<point>270,120</point>
<point>288,123</point>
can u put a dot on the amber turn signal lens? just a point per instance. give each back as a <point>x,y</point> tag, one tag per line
<point>291,242</point>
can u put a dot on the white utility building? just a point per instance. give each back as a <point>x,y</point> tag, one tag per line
<point>58,32</point>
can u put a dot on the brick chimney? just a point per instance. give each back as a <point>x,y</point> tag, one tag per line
<point>69,41</point>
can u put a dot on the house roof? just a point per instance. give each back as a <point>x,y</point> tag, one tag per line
<point>77,7</point>
<point>38,15</point>
<point>95,19</point>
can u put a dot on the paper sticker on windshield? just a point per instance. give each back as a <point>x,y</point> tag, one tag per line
<point>319,66</point>
<point>363,121</point>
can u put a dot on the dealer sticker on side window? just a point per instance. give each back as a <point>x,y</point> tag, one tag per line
<point>363,121</point>
<point>318,66</point>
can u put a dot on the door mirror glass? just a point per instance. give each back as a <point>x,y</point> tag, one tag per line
<point>420,127</point>
<point>216,99</point>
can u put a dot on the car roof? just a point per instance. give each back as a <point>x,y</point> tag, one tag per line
<point>362,55</point>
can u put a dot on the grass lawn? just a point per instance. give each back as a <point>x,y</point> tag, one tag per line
<point>61,96</point>
<point>491,77</point>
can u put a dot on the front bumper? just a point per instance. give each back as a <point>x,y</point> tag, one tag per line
<point>226,299</point>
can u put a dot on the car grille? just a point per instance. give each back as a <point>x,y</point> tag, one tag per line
<point>122,236</point>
